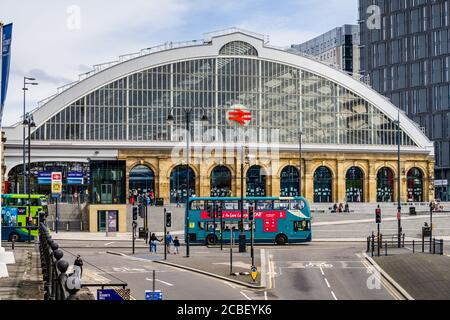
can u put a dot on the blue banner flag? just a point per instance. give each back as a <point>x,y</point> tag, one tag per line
<point>5,62</point>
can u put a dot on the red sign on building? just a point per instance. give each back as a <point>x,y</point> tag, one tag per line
<point>240,115</point>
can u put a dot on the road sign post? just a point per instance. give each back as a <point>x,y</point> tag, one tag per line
<point>56,183</point>
<point>251,219</point>
<point>254,273</point>
<point>378,222</point>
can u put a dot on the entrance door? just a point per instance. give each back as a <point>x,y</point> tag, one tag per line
<point>106,193</point>
<point>107,219</point>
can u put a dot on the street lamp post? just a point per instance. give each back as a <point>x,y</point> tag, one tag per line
<point>300,133</point>
<point>29,122</point>
<point>399,207</point>
<point>170,120</point>
<point>25,89</point>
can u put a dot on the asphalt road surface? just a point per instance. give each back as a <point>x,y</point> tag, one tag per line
<point>317,271</point>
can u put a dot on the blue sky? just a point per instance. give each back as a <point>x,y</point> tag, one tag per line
<point>46,47</point>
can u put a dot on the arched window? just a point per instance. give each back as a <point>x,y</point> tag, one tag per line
<point>256,182</point>
<point>142,180</point>
<point>178,184</point>
<point>414,183</point>
<point>289,182</point>
<point>238,48</point>
<point>221,182</point>
<point>323,185</point>
<point>354,185</point>
<point>385,185</point>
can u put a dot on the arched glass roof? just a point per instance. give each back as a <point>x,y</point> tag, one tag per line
<point>238,48</point>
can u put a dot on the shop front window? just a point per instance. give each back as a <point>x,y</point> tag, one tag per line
<point>256,182</point>
<point>178,184</point>
<point>221,182</point>
<point>289,182</point>
<point>414,183</point>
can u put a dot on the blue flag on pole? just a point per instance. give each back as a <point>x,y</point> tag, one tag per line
<point>6,58</point>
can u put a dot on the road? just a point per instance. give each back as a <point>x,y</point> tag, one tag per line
<point>325,271</point>
<point>317,271</point>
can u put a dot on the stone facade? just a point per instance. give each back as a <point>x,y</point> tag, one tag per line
<point>162,163</point>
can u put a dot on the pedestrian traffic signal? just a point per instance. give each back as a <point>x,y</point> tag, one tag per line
<point>168,219</point>
<point>219,211</point>
<point>135,213</point>
<point>378,215</point>
<point>210,211</point>
<point>141,211</point>
<point>251,215</point>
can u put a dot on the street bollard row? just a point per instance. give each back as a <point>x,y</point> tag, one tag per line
<point>54,268</point>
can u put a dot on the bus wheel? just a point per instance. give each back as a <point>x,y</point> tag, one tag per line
<point>281,239</point>
<point>211,239</point>
<point>14,237</point>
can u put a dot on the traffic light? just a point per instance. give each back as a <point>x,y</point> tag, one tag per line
<point>168,219</point>
<point>378,215</point>
<point>141,211</point>
<point>219,211</point>
<point>135,213</point>
<point>251,215</point>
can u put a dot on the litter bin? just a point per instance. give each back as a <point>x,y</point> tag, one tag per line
<point>159,202</point>
<point>412,211</point>
<point>141,233</point>
<point>242,244</point>
<point>426,232</point>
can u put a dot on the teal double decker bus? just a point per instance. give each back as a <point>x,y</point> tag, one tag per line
<point>277,220</point>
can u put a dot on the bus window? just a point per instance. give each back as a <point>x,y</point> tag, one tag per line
<point>297,204</point>
<point>264,205</point>
<point>197,205</point>
<point>201,225</point>
<point>230,205</point>
<point>210,226</point>
<point>281,204</point>
<point>302,225</point>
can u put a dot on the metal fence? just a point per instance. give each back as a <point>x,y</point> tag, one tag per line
<point>379,246</point>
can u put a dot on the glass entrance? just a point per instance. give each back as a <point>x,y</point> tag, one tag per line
<point>354,182</point>
<point>385,185</point>
<point>256,182</point>
<point>289,182</point>
<point>323,190</point>
<point>414,184</point>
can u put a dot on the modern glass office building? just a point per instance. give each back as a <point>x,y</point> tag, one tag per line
<point>115,121</point>
<point>405,50</point>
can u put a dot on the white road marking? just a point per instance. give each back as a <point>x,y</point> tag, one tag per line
<point>246,296</point>
<point>107,244</point>
<point>328,284</point>
<point>164,282</point>
<point>321,270</point>
<point>265,295</point>
<point>334,296</point>
<point>230,284</point>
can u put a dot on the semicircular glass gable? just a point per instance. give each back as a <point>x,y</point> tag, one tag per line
<point>280,98</point>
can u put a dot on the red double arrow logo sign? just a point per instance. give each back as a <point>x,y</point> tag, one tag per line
<point>240,116</point>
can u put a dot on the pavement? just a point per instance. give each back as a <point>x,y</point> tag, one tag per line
<point>423,276</point>
<point>25,278</point>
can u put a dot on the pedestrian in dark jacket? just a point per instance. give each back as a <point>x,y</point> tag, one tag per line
<point>79,262</point>
<point>176,244</point>
<point>153,242</point>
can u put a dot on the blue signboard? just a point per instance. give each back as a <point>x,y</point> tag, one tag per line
<point>113,295</point>
<point>75,178</point>
<point>153,295</point>
<point>6,58</point>
<point>44,178</point>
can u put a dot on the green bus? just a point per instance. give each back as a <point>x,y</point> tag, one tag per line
<point>15,213</point>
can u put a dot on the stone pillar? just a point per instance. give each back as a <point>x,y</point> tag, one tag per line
<point>204,181</point>
<point>403,186</point>
<point>371,185</point>
<point>308,184</point>
<point>340,182</point>
<point>429,192</point>
<point>164,179</point>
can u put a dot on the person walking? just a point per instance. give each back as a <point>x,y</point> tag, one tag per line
<point>79,262</point>
<point>153,242</point>
<point>169,240</point>
<point>176,244</point>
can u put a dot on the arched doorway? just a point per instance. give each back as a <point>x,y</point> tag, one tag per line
<point>178,184</point>
<point>256,182</point>
<point>385,185</point>
<point>142,180</point>
<point>414,183</point>
<point>354,185</point>
<point>221,182</point>
<point>289,182</point>
<point>323,185</point>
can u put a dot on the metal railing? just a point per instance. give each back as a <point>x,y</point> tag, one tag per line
<point>377,246</point>
<point>54,268</point>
